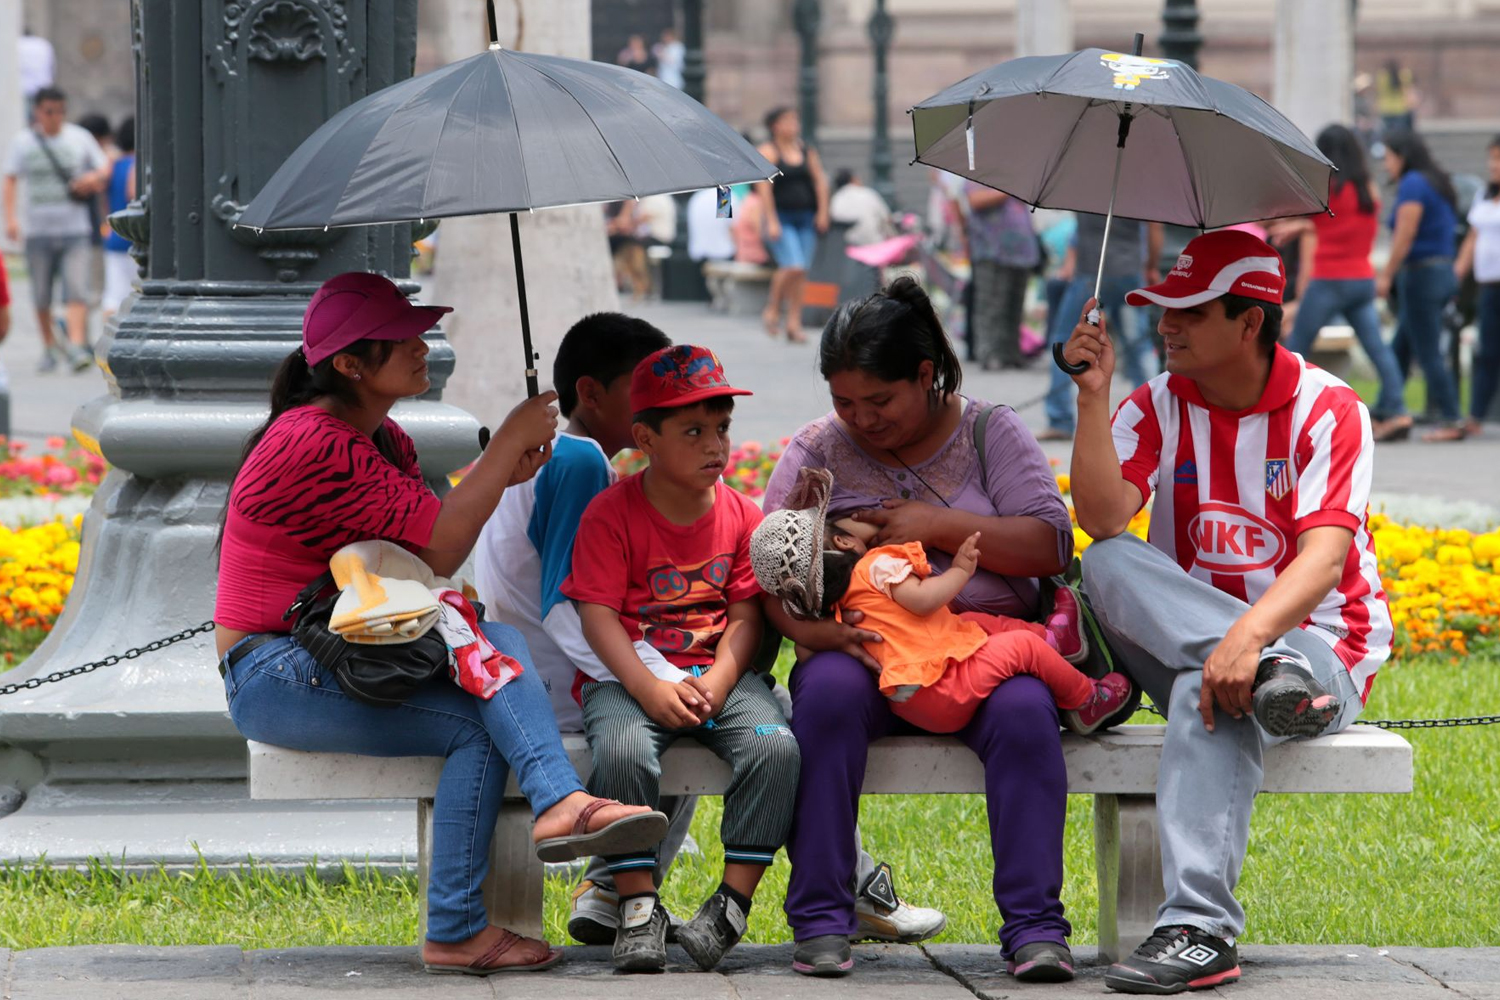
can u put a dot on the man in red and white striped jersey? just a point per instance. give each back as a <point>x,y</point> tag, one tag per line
<point>1255,612</point>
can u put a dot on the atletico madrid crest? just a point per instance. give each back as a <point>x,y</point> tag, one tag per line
<point>1278,478</point>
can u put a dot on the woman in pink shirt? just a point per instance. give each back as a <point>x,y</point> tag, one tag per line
<point>330,467</point>
<point>1341,278</point>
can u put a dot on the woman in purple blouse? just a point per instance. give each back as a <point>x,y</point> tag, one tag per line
<point>902,448</point>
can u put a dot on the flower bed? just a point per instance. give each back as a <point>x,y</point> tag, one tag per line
<point>750,466</point>
<point>63,469</point>
<point>37,564</point>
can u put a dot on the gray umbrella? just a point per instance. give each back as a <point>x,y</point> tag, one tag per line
<point>1120,134</point>
<point>509,132</point>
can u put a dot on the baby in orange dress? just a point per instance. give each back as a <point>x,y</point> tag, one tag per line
<point>937,667</point>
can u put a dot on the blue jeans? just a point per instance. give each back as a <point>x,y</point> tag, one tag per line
<point>279,694</point>
<point>1132,341</point>
<point>1424,288</point>
<point>1487,356</point>
<point>1355,300</point>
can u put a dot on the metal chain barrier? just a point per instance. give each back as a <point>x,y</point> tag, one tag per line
<point>108,661</point>
<point>1472,720</point>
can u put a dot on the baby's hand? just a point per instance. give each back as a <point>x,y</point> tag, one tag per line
<point>966,559</point>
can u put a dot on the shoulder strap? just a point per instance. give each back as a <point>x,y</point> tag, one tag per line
<point>981,425</point>
<point>57,167</point>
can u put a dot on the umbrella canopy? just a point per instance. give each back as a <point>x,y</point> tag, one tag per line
<point>1046,130</point>
<point>503,131</point>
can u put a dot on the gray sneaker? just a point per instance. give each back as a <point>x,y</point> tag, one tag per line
<point>1288,702</point>
<point>81,359</point>
<point>717,927</point>
<point>641,940</point>
<point>49,359</point>
<point>824,955</point>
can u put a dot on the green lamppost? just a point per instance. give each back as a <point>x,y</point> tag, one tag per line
<point>807,15</point>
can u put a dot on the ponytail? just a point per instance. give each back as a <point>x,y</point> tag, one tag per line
<point>296,383</point>
<point>888,335</point>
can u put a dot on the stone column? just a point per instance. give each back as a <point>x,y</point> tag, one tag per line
<point>1313,54</point>
<point>11,120</point>
<point>226,89</point>
<point>1044,27</point>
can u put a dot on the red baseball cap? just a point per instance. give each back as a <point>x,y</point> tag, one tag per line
<point>680,375</point>
<point>358,305</point>
<point>1224,262</point>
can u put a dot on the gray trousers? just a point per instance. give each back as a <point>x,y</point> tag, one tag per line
<point>749,734</point>
<point>999,304</point>
<point>680,809</point>
<point>1163,624</point>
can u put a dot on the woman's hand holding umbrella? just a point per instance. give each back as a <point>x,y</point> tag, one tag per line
<point>1090,345</point>
<point>530,426</point>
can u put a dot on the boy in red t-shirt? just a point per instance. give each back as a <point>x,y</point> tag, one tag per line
<point>663,558</point>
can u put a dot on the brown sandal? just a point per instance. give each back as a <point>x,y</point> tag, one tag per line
<point>489,963</point>
<point>632,833</point>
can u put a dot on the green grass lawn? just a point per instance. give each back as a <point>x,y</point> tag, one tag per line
<point>1414,869</point>
<point>1415,394</point>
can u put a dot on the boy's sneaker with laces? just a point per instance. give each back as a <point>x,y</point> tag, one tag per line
<point>1041,962</point>
<point>1288,702</point>
<point>595,915</point>
<point>717,927</point>
<point>824,955</point>
<point>1174,960</point>
<point>1065,627</point>
<point>641,939</point>
<point>1109,706</point>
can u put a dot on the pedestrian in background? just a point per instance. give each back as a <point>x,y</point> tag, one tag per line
<point>636,56</point>
<point>1396,98</point>
<point>1420,268</point>
<point>1337,277</point>
<point>862,207</point>
<point>796,212</point>
<point>36,61</point>
<point>1481,253</point>
<point>670,55</point>
<point>1130,255</point>
<point>64,169</point>
<point>1003,251</point>
<point>119,267</point>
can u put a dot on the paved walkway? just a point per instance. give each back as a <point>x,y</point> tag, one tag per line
<point>753,972</point>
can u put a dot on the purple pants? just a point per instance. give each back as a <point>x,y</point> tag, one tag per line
<point>837,709</point>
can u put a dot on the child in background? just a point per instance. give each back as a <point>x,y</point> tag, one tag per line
<point>937,667</point>
<point>663,556</point>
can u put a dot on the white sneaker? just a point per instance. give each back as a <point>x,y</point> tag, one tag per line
<point>595,916</point>
<point>905,924</point>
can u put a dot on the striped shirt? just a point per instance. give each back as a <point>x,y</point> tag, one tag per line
<point>1235,489</point>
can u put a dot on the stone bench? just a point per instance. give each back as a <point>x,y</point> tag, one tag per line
<point>736,288</point>
<point>1333,350</point>
<point>1118,768</point>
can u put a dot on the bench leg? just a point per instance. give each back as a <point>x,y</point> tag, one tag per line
<point>513,888</point>
<point>1127,853</point>
<point>424,864</point>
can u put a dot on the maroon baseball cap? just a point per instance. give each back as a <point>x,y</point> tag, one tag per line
<point>680,375</point>
<point>1223,262</point>
<point>358,305</point>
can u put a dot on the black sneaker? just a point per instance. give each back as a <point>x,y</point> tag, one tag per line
<point>1288,702</point>
<point>824,955</point>
<point>1041,962</point>
<point>716,928</point>
<point>1173,960</point>
<point>641,940</point>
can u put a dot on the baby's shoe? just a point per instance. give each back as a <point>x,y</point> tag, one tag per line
<point>1065,627</point>
<point>641,940</point>
<point>717,927</point>
<point>1109,705</point>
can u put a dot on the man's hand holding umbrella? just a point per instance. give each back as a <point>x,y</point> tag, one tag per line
<point>1090,345</point>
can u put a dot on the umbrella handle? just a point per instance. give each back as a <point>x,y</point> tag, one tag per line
<point>1066,365</point>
